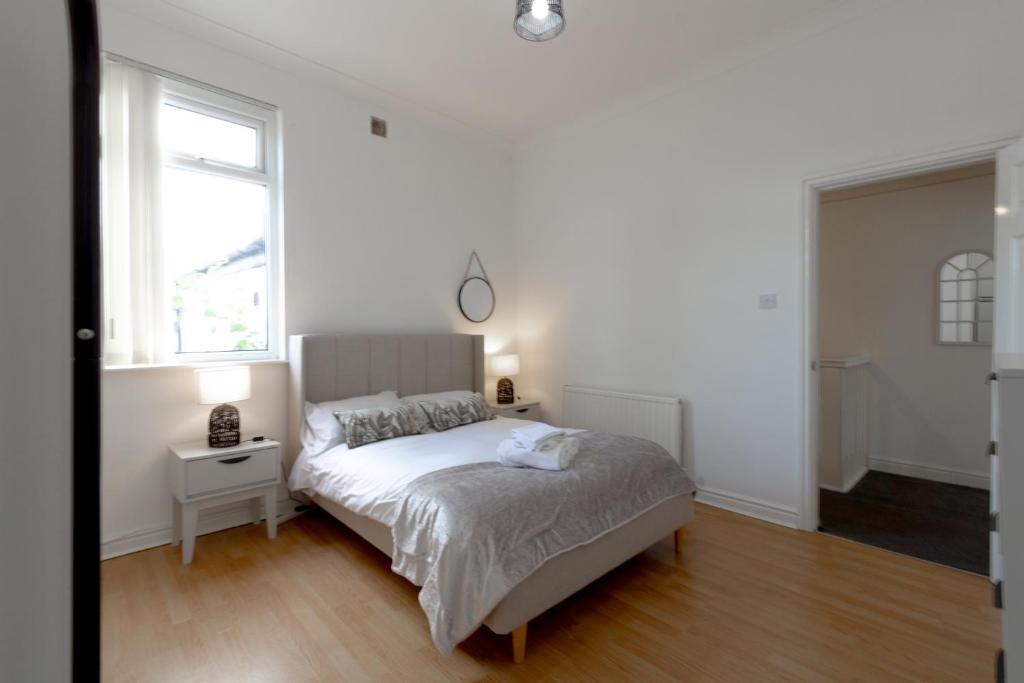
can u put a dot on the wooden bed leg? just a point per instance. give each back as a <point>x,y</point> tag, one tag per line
<point>519,645</point>
<point>680,535</point>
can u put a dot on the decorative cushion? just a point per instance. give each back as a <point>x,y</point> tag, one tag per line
<point>455,412</point>
<point>376,424</point>
<point>422,421</point>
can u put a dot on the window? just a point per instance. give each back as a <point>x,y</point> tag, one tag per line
<point>189,221</point>
<point>965,294</point>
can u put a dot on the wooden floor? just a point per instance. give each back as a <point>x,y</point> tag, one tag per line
<point>748,601</point>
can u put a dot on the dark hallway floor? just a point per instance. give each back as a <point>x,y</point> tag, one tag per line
<point>943,523</point>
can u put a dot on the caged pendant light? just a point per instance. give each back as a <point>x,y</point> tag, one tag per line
<point>539,20</point>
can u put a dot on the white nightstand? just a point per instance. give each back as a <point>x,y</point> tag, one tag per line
<point>521,410</point>
<point>203,477</point>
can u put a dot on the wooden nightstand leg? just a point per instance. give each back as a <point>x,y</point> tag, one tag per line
<point>189,521</point>
<point>176,528</point>
<point>680,537</point>
<point>270,507</point>
<point>254,510</point>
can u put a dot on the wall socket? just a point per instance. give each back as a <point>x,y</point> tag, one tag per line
<point>378,127</point>
<point>768,301</point>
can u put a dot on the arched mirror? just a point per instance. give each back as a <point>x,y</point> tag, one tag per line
<point>476,299</point>
<point>966,291</point>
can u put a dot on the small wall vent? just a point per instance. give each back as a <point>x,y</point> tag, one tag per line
<point>378,127</point>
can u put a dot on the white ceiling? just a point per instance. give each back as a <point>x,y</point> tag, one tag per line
<point>461,57</point>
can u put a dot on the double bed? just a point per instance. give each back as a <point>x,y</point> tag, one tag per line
<point>490,545</point>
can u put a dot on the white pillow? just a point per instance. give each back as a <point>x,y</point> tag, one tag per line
<point>321,430</point>
<point>422,420</point>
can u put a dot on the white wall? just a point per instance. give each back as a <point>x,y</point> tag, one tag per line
<point>645,236</point>
<point>35,341</point>
<point>377,234</point>
<point>929,408</point>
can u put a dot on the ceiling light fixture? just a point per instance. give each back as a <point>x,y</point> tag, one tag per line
<point>539,20</point>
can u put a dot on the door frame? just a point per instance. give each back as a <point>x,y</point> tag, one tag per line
<point>948,157</point>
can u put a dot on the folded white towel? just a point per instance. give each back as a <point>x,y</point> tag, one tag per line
<point>555,454</point>
<point>536,434</point>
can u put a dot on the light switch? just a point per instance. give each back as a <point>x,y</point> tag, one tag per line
<point>767,301</point>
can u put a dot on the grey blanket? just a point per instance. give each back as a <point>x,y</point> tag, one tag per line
<point>468,535</point>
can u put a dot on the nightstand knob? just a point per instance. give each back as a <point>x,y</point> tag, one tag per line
<point>234,461</point>
<point>521,410</point>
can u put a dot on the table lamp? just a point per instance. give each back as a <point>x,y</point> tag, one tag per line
<point>505,366</point>
<point>217,386</point>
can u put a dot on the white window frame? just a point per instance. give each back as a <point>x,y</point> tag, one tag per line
<point>223,106</point>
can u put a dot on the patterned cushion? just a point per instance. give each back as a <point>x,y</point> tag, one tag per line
<point>455,412</point>
<point>376,424</point>
<point>422,421</point>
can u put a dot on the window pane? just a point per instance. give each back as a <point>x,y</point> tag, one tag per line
<point>207,137</point>
<point>966,290</point>
<point>974,259</point>
<point>215,262</point>
<point>985,312</point>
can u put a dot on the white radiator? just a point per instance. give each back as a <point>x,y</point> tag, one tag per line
<point>656,418</point>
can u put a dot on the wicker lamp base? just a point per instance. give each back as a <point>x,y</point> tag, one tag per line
<point>224,425</point>
<point>506,391</point>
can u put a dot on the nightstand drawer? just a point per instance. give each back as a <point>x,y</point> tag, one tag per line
<point>520,412</point>
<point>232,471</point>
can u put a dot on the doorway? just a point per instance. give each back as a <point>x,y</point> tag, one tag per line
<point>905,329</point>
<point>956,164</point>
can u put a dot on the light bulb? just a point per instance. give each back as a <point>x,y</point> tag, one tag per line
<point>1002,211</point>
<point>539,9</point>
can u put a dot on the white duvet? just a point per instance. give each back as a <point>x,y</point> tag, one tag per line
<point>370,480</point>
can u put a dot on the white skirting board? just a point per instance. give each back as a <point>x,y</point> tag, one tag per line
<point>848,486</point>
<point>931,472</point>
<point>751,507</point>
<point>227,517</point>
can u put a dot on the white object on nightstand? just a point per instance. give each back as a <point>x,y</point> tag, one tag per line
<point>520,410</point>
<point>202,477</point>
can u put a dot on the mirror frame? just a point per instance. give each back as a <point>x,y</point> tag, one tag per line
<point>494,299</point>
<point>978,300</point>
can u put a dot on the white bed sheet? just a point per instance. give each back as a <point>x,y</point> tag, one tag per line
<point>371,480</point>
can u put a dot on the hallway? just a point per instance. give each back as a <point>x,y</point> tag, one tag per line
<point>943,523</point>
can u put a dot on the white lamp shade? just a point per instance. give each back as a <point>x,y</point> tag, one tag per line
<point>505,366</point>
<point>222,385</point>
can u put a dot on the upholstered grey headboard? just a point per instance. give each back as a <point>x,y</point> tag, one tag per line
<point>328,367</point>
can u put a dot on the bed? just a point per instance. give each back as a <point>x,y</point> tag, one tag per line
<point>334,367</point>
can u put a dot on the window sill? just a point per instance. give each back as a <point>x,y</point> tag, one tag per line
<point>193,365</point>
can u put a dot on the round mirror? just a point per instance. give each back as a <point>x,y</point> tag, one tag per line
<point>476,299</point>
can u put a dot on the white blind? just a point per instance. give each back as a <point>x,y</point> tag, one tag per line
<point>131,179</point>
